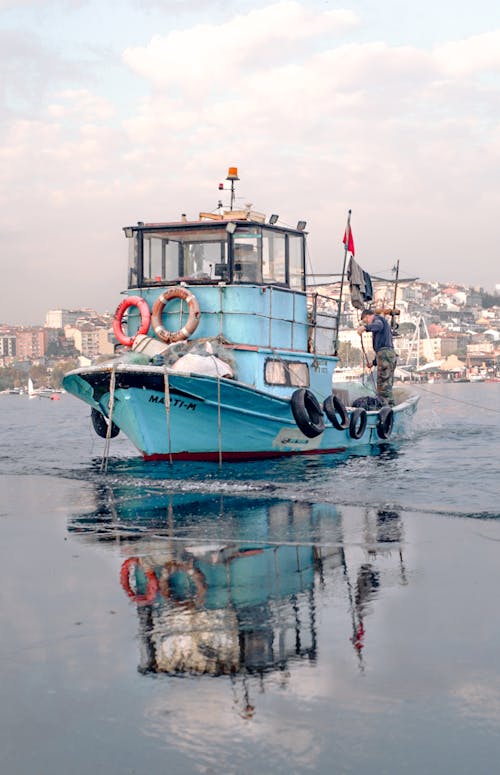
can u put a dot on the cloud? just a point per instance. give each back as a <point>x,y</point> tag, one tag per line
<point>208,58</point>
<point>479,53</point>
<point>366,112</point>
<point>30,70</point>
<point>316,122</point>
<point>28,4</point>
<point>82,104</point>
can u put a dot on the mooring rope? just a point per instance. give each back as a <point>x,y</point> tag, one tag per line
<point>458,400</point>
<point>166,386</point>
<point>219,427</point>
<point>367,363</point>
<point>112,382</point>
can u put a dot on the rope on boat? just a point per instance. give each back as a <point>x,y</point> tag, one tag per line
<point>221,301</point>
<point>367,363</point>
<point>166,385</point>
<point>219,426</point>
<point>112,383</point>
<point>271,318</point>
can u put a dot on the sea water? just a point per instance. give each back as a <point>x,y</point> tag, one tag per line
<point>313,614</point>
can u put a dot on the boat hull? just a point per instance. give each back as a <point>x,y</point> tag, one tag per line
<point>196,417</point>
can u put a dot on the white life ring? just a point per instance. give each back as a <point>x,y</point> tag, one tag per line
<point>179,292</point>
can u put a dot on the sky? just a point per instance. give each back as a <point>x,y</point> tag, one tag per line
<point>117,112</point>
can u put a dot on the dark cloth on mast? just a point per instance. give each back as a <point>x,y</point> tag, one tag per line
<point>356,284</point>
<point>360,285</point>
<point>368,287</point>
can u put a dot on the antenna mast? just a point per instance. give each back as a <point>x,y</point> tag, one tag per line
<point>232,176</point>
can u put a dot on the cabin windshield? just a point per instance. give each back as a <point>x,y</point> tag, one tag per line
<point>184,254</point>
<point>250,253</point>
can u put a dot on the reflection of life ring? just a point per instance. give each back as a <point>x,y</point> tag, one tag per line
<point>132,563</point>
<point>182,293</point>
<point>195,576</point>
<point>131,301</point>
<point>357,423</point>
<point>385,422</point>
<point>307,413</point>
<point>336,412</point>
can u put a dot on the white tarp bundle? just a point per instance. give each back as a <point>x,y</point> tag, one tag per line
<point>202,364</point>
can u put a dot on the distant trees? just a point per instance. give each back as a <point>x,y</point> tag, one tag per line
<point>59,370</point>
<point>51,376</point>
<point>39,375</point>
<point>11,377</point>
<point>406,329</point>
<point>42,376</point>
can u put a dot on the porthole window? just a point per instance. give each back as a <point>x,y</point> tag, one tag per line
<point>283,372</point>
<point>299,374</point>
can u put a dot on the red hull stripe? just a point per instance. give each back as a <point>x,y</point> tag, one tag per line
<point>234,456</point>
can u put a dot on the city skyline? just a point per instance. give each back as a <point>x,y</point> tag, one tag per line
<point>91,315</point>
<point>113,117</point>
<point>100,313</point>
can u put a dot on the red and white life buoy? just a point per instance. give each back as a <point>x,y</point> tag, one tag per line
<point>196,596</point>
<point>130,566</point>
<point>179,292</point>
<point>142,305</point>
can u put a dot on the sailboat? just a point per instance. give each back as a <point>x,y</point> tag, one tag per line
<point>42,392</point>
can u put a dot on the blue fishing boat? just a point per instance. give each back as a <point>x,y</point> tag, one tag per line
<point>223,351</point>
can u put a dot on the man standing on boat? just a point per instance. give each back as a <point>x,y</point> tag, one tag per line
<point>385,356</point>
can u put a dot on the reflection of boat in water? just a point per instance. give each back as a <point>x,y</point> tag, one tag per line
<point>222,610</point>
<point>228,585</point>
<point>241,603</point>
<point>227,355</point>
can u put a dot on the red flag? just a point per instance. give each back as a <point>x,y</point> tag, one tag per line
<point>348,242</point>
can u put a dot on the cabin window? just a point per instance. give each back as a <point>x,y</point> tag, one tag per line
<point>133,260</point>
<point>160,258</point>
<point>259,255</point>
<point>204,260</point>
<point>298,373</point>
<point>295,262</point>
<point>281,372</point>
<point>154,257</point>
<point>247,257</point>
<point>186,254</point>
<point>273,258</point>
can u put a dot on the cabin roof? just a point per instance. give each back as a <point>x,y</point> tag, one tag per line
<point>217,220</point>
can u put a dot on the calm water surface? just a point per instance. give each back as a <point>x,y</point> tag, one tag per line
<point>323,614</point>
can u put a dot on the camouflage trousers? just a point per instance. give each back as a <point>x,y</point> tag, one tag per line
<point>386,363</point>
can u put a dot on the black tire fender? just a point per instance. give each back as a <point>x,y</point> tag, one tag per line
<point>100,424</point>
<point>385,421</point>
<point>336,412</point>
<point>357,423</point>
<point>307,413</point>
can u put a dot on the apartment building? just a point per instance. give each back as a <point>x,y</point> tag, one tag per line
<point>90,341</point>
<point>31,343</point>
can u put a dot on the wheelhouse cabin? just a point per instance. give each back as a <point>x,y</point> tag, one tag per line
<point>236,247</point>
<point>248,277</point>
